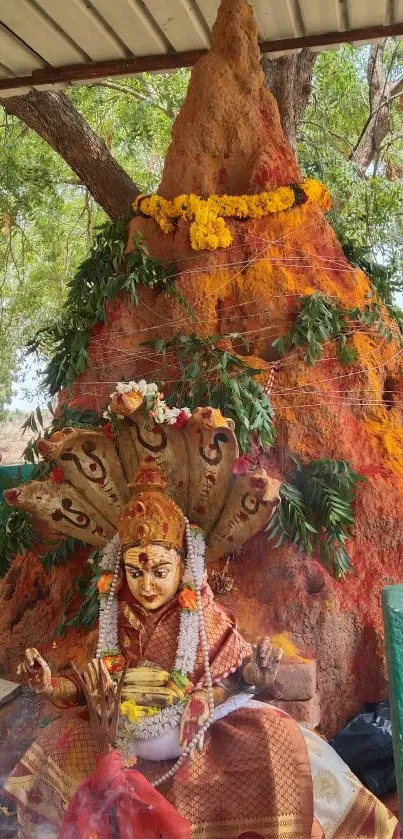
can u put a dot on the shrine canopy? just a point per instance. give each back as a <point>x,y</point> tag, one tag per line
<point>49,44</point>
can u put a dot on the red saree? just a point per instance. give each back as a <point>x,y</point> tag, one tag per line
<point>252,777</point>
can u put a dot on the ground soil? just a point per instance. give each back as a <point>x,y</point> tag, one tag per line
<point>12,440</point>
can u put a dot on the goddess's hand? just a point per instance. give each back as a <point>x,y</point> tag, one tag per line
<point>261,670</point>
<point>90,675</point>
<point>196,713</point>
<point>35,671</point>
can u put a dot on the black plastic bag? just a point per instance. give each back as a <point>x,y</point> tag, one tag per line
<point>365,744</point>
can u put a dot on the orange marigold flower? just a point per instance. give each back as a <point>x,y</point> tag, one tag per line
<point>104,583</point>
<point>114,663</point>
<point>187,599</point>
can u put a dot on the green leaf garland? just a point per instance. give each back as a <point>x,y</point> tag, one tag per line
<point>321,319</point>
<point>209,375</point>
<point>17,535</point>
<point>317,512</point>
<point>106,274</point>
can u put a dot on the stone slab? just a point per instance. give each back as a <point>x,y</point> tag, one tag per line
<point>306,712</point>
<point>8,691</point>
<point>295,680</point>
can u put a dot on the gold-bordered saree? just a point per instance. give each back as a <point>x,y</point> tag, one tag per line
<point>254,777</point>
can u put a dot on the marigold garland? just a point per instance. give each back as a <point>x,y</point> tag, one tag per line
<point>208,229</point>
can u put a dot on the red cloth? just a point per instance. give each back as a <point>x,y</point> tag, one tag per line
<point>116,801</point>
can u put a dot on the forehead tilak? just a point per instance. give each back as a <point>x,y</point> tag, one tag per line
<point>146,559</point>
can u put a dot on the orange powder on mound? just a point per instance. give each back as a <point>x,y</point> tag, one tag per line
<point>389,434</point>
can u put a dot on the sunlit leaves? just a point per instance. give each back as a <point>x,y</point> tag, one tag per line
<point>321,320</point>
<point>47,216</point>
<point>366,209</point>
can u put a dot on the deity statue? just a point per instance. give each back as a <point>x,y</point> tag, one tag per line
<point>161,500</point>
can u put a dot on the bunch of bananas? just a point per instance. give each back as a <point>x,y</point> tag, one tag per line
<point>149,685</point>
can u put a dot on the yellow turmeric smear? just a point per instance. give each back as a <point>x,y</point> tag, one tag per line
<point>288,647</point>
<point>389,434</point>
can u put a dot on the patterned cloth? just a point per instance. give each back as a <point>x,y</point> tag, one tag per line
<point>344,808</point>
<point>154,636</point>
<point>253,779</point>
<point>239,783</point>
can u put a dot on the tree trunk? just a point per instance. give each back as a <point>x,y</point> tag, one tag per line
<point>58,122</point>
<point>289,79</point>
<point>377,125</point>
<point>382,92</point>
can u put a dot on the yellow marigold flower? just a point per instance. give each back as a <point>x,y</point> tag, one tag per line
<point>137,201</point>
<point>316,191</point>
<point>285,197</point>
<point>165,225</point>
<point>181,205</point>
<point>134,712</point>
<point>208,229</point>
<point>210,236</point>
<point>194,204</point>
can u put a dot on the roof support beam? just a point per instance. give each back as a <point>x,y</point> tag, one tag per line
<point>172,61</point>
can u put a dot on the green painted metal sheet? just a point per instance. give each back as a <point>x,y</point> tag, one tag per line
<point>392,605</point>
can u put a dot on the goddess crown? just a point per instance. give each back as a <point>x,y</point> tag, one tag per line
<point>151,516</point>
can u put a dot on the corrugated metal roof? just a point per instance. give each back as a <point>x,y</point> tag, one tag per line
<point>50,43</point>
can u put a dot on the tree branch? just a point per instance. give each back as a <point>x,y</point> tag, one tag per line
<point>396,88</point>
<point>56,120</point>
<point>148,100</point>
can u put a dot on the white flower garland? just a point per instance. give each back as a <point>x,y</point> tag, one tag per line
<point>188,639</point>
<point>154,402</point>
<point>108,641</point>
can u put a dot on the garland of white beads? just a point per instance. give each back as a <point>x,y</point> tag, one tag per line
<point>108,641</point>
<point>191,560</point>
<point>186,653</point>
<point>187,641</point>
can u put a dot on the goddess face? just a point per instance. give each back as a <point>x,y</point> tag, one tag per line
<point>153,574</point>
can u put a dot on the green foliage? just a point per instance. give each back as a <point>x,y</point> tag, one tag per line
<point>16,534</point>
<point>47,216</point>
<point>209,375</point>
<point>322,319</point>
<point>16,528</point>
<point>366,206</point>
<point>316,513</point>
<point>290,520</point>
<point>384,279</point>
<point>86,592</point>
<point>371,316</point>
<point>105,275</point>
<point>60,550</point>
<point>382,276</point>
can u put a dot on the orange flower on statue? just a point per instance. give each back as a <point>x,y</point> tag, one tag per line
<point>104,583</point>
<point>114,663</point>
<point>187,599</point>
